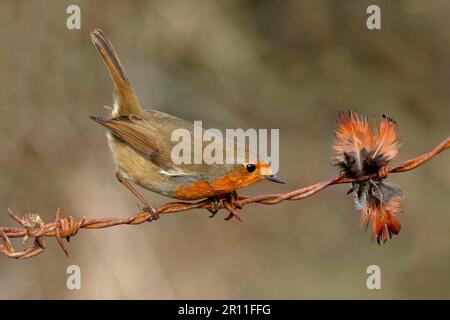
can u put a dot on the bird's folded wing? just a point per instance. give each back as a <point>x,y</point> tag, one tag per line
<point>136,133</point>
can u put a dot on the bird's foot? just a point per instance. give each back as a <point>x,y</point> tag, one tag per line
<point>228,201</point>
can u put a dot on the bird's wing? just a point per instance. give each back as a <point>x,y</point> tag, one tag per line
<point>139,135</point>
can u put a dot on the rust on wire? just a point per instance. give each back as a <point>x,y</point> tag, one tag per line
<point>32,226</point>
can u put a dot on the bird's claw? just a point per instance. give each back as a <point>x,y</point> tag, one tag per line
<point>215,206</point>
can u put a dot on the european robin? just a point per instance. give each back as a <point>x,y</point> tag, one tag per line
<point>140,143</point>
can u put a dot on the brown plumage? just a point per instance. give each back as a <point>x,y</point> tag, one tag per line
<point>363,150</point>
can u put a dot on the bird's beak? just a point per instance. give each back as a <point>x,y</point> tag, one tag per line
<point>274,178</point>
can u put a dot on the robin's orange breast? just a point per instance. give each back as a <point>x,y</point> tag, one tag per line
<point>205,189</point>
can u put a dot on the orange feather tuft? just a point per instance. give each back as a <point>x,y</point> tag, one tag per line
<point>352,136</point>
<point>386,142</point>
<point>361,149</point>
<point>383,219</point>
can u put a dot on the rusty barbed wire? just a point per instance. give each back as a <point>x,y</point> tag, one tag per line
<point>65,228</point>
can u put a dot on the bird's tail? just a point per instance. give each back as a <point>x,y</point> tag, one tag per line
<point>125,100</point>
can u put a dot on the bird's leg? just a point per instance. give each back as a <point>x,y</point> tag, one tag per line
<point>148,207</point>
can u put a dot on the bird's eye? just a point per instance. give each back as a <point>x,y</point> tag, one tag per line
<point>251,168</point>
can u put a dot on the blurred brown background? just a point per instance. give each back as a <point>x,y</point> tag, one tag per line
<point>262,64</point>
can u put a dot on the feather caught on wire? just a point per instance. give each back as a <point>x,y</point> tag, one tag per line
<point>363,149</point>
